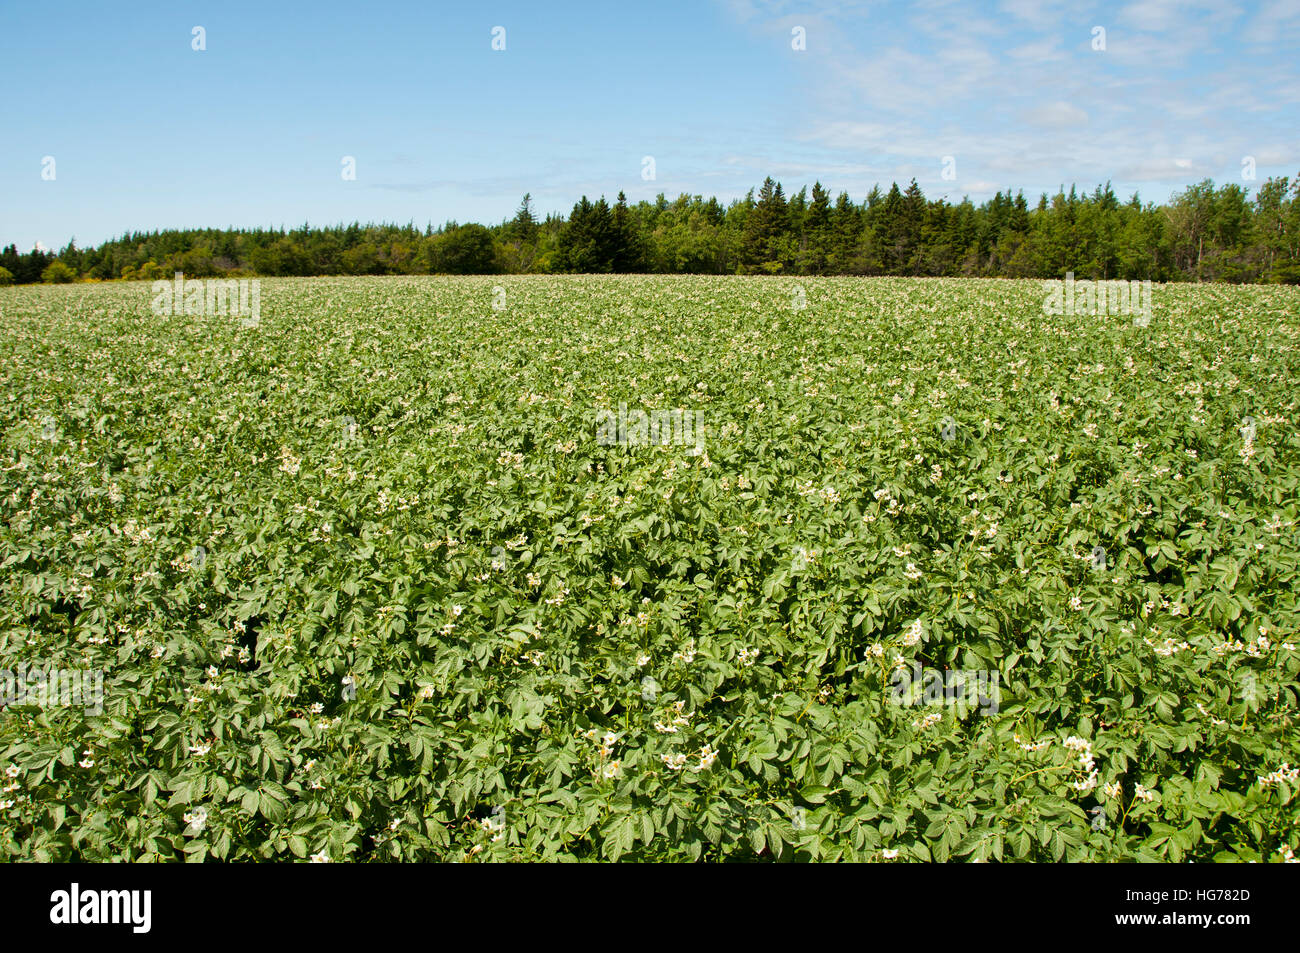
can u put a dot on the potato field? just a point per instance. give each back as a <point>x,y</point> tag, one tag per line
<point>649,568</point>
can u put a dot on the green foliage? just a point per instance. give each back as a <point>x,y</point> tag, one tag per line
<point>765,228</point>
<point>6,277</point>
<point>436,619</point>
<point>1205,233</point>
<point>467,250</point>
<point>57,273</point>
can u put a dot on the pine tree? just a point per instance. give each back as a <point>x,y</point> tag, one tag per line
<point>913,217</point>
<point>817,233</point>
<point>765,229</point>
<point>628,254</point>
<point>846,229</point>
<point>523,227</point>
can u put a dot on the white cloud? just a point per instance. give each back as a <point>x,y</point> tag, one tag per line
<point>1057,114</point>
<point>1047,48</point>
<point>1275,22</point>
<point>1166,169</point>
<point>1021,99</point>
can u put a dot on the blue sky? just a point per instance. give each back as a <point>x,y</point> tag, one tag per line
<point>146,132</point>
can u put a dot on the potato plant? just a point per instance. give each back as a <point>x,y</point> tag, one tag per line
<point>364,585</point>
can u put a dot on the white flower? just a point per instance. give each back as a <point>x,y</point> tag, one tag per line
<point>1284,774</point>
<point>1168,647</point>
<point>288,462</point>
<point>642,660</point>
<point>321,858</point>
<point>1142,794</point>
<point>912,635</point>
<point>199,750</point>
<point>12,771</point>
<point>196,821</point>
<point>495,825</point>
<point>889,853</point>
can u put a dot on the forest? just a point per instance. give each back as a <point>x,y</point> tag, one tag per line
<point>1203,233</point>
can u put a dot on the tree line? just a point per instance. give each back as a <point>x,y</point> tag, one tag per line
<point>1203,233</point>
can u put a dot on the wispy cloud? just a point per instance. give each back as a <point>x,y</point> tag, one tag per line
<point>1149,94</point>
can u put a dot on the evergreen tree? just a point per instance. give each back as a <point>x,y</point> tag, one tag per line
<point>816,256</point>
<point>765,228</point>
<point>846,229</point>
<point>628,253</point>
<point>523,227</point>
